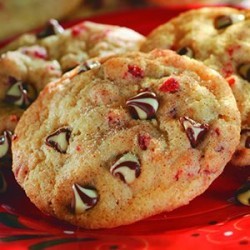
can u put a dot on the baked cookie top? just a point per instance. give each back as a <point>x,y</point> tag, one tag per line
<point>81,42</point>
<point>220,37</point>
<point>134,136</point>
<point>25,72</point>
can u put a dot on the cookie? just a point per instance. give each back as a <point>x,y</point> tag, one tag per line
<point>134,136</point>
<point>192,32</point>
<point>81,42</point>
<point>22,16</point>
<point>220,38</point>
<point>25,72</point>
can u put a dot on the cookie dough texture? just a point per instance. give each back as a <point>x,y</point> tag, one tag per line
<point>83,41</point>
<point>21,16</point>
<point>220,38</point>
<point>89,134</point>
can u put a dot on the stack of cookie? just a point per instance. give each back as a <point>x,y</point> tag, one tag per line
<point>126,135</point>
<point>29,63</point>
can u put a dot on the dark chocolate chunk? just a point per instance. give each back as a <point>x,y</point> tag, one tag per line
<point>224,21</point>
<point>143,106</point>
<point>59,140</point>
<point>20,93</point>
<point>85,197</point>
<point>186,51</point>
<point>195,131</point>
<point>52,28</point>
<point>127,168</point>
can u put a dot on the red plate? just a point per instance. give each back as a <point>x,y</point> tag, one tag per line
<point>211,221</point>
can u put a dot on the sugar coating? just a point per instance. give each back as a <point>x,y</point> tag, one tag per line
<point>103,133</point>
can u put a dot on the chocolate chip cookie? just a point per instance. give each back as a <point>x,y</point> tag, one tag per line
<point>25,72</point>
<point>81,42</point>
<point>133,136</point>
<point>219,37</point>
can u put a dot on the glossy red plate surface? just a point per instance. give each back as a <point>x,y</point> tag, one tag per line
<point>211,221</point>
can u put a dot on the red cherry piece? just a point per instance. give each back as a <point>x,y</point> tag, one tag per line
<point>135,71</point>
<point>143,141</point>
<point>170,85</point>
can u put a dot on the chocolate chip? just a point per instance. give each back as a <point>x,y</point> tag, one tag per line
<point>242,195</point>
<point>20,93</point>
<point>224,21</point>
<point>244,71</point>
<point>5,143</point>
<point>127,168</point>
<point>195,131</point>
<point>59,140</point>
<point>88,65</point>
<point>186,51</point>
<point>143,106</point>
<point>52,28</point>
<point>85,197</point>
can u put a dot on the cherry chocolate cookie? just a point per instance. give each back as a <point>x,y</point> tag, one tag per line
<point>133,136</point>
<point>220,37</point>
<point>24,73</point>
<point>80,42</point>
